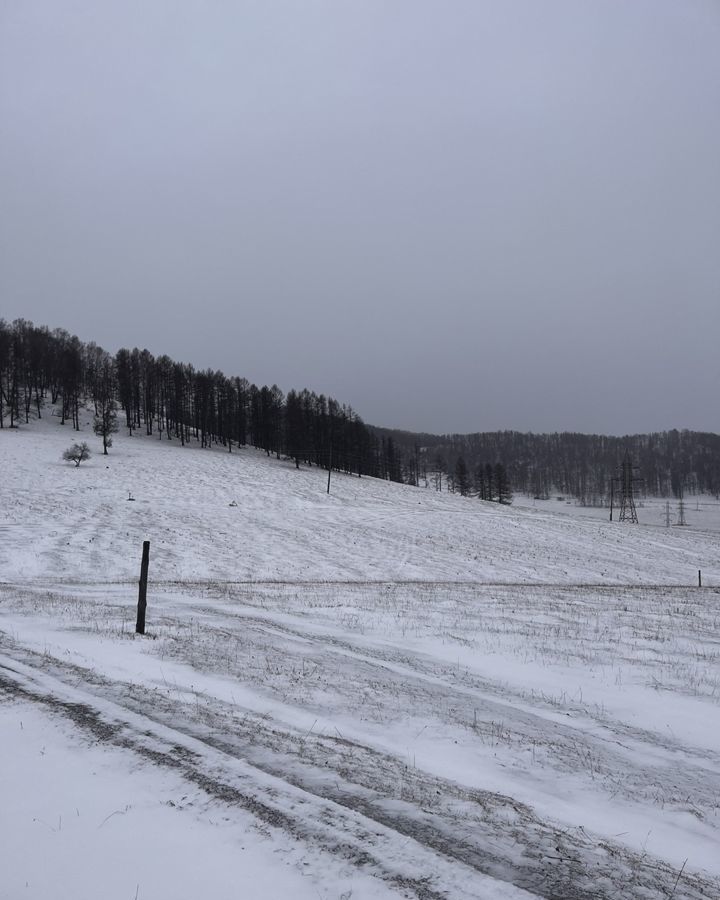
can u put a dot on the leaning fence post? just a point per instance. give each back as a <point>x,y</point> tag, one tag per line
<point>142,593</point>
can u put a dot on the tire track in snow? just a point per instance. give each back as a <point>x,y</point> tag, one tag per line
<point>479,832</point>
<point>236,783</point>
<point>612,746</point>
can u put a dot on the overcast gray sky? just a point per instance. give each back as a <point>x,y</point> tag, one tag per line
<point>454,216</point>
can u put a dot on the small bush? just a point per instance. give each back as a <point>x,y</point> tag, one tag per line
<point>77,453</point>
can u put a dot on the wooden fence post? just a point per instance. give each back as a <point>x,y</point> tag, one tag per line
<point>142,593</point>
<point>699,578</point>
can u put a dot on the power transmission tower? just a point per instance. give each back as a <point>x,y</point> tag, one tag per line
<point>626,484</point>
<point>681,512</point>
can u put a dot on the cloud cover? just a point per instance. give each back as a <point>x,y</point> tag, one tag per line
<point>455,217</point>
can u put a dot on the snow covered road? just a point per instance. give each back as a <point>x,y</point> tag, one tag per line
<point>442,779</point>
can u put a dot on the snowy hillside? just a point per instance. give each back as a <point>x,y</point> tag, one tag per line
<point>68,523</point>
<point>383,692</point>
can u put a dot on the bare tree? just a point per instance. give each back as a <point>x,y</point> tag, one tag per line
<point>105,423</point>
<point>77,453</point>
<point>104,387</point>
<point>462,480</point>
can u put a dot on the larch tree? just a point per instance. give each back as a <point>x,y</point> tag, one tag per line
<point>105,423</point>
<point>502,485</point>
<point>462,479</point>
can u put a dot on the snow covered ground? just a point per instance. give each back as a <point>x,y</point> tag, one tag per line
<point>702,512</point>
<point>383,692</point>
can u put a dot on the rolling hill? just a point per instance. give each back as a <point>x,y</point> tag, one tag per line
<point>382,691</point>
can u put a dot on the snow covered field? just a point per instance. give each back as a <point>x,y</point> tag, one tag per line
<point>702,512</point>
<point>384,692</point>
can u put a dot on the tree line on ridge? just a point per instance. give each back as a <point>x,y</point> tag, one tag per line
<point>174,401</point>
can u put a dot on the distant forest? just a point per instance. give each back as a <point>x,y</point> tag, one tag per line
<point>174,401</point>
<point>670,463</point>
